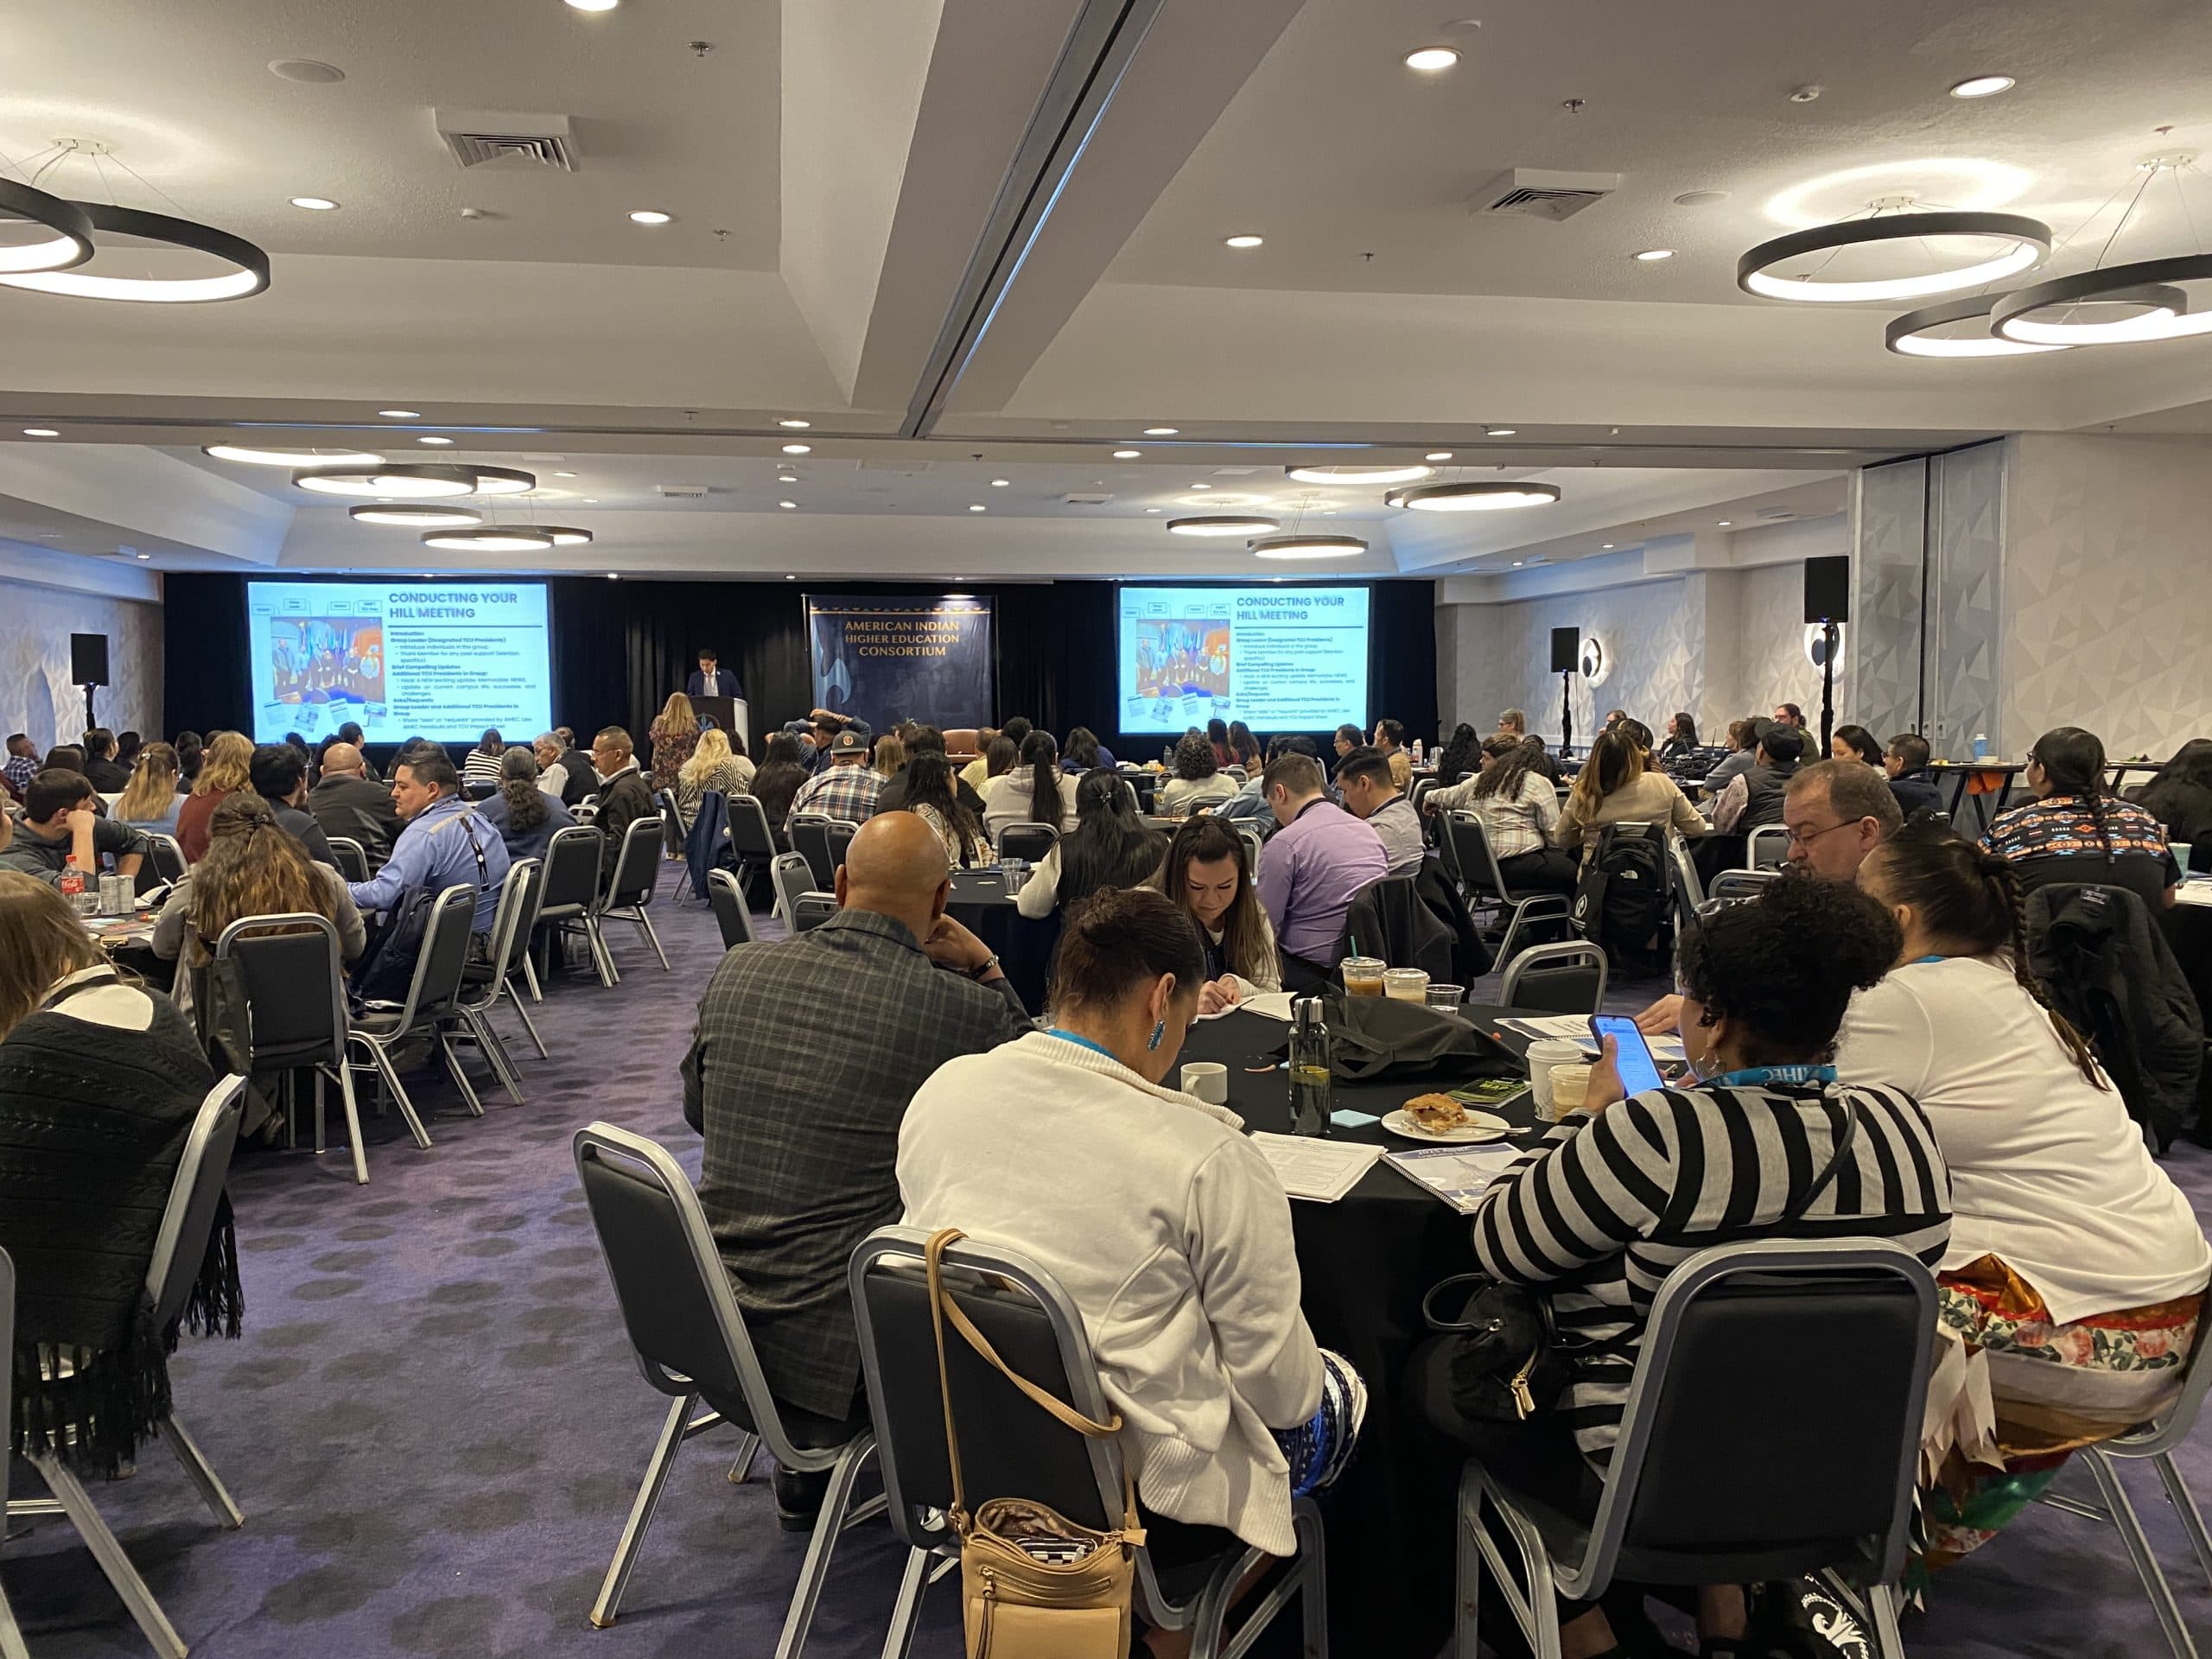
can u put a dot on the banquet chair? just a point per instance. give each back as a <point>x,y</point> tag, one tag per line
<point>571,896</point>
<point>296,998</point>
<point>690,1341</point>
<point>1027,842</point>
<point>1010,1445</point>
<point>1466,845</point>
<point>351,857</point>
<point>732,914</point>
<point>801,902</point>
<point>842,831</point>
<point>631,886</point>
<point>1740,884</point>
<point>507,948</point>
<point>168,858</point>
<point>672,823</point>
<point>1766,847</point>
<point>11,1635</point>
<point>1807,1355</point>
<point>429,1009</point>
<point>811,839</point>
<point>1556,979</point>
<point>2154,1440</point>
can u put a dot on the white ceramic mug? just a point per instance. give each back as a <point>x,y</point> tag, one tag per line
<point>1207,1081</point>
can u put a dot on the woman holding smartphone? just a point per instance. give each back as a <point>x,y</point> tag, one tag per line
<point>1758,1135</point>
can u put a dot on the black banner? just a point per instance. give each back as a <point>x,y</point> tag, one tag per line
<point>894,658</point>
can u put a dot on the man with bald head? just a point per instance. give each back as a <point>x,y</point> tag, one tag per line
<point>346,802</point>
<point>805,1054</point>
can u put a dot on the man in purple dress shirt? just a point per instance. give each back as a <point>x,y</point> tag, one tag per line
<point>1312,869</point>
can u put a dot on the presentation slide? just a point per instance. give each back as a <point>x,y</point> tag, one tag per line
<point>440,660</point>
<point>1280,659</point>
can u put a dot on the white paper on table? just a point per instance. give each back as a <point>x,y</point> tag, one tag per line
<point>1275,1005</point>
<point>1576,1029</point>
<point>1309,1167</point>
<point>1458,1175</point>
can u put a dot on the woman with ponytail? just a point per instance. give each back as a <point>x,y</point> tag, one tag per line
<point>2077,1271</point>
<point>2077,830</point>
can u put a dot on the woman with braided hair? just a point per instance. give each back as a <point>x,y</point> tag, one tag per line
<point>2075,1274</point>
<point>2077,830</point>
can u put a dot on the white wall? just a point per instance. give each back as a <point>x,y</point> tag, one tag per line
<point>43,602</point>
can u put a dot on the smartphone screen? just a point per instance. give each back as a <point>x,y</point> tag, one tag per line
<point>1632,1055</point>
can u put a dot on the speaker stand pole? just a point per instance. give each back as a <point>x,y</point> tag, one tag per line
<point>90,722</point>
<point>1565,713</point>
<point>1827,685</point>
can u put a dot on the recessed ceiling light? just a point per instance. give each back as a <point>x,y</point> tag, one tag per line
<point>564,474</point>
<point>1653,256</point>
<point>1607,548</point>
<point>795,424</point>
<point>401,414</point>
<point>1152,509</point>
<point>1723,523</point>
<point>1202,486</point>
<point>591,500</point>
<point>1431,59</point>
<point>40,432</point>
<point>789,578</point>
<point>307,70</point>
<point>786,478</point>
<point>259,457</point>
<point>594,5</point>
<point>145,555</point>
<point>1245,241</point>
<point>1160,431</point>
<point>1000,483</point>
<point>432,437</point>
<point>316,204</point>
<point>611,577</point>
<point>1127,454</point>
<point>787,505</point>
<point>1984,86</point>
<point>1437,454</point>
<point>1328,512</point>
<point>1516,564</point>
<point>1500,432</point>
<point>646,215</point>
<point>975,507</point>
<point>798,448</point>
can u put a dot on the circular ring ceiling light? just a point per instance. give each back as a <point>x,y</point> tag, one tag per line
<point>491,538</point>
<point>1914,334</point>
<point>2016,318</point>
<point>416,482</point>
<point>563,534</point>
<point>309,459</point>
<point>1393,472</point>
<point>1300,545</point>
<point>1223,524</point>
<point>70,243</point>
<point>248,275</point>
<point>2031,240</point>
<point>1472,498</point>
<point>422,517</point>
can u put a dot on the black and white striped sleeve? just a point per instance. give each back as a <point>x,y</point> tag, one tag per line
<point>1594,1184</point>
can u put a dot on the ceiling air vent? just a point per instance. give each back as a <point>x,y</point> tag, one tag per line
<point>1085,500</point>
<point>681,492</point>
<point>486,138</point>
<point>1536,192</point>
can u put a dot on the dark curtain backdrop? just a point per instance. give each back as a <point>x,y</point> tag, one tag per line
<point>620,647</point>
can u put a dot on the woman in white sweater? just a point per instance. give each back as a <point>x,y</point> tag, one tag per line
<point>1161,1220</point>
<point>2076,1270</point>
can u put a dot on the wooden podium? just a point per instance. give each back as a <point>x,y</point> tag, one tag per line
<point>728,713</point>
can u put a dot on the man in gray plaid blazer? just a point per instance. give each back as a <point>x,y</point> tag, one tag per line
<point>805,1055</point>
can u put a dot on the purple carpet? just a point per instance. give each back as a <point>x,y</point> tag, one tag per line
<point>434,1425</point>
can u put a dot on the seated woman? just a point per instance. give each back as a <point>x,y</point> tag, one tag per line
<point>2179,796</point>
<point>253,868</point>
<point>1195,780</point>
<point>1209,873</point>
<point>2075,1276</point>
<point>783,773</point>
<point>1855,743</point>
<point>1111,846</point>
<point>526,818</point>
<point>932,797</point>
<point>1161,1221</point>
<point>1243,747</point>
<point>150,800</point>
<point>1681,743</point>
<point>889,755</point>
<point>2077,830</point>
<point>1742,744</point>
<point>1519,808</point>
<point>225,769</point>
<point>1035,791</point>
<point>1623,1189</point>
<point>1085,753</point>
<point>1615,786</point>
<point>1462,756</point>
<point>99,1084</point>
<point>718,763</point>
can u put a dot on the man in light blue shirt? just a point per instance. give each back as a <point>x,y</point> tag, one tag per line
<point>442,842</point>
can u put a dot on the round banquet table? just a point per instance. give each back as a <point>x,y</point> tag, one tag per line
<point>1366,1262</point>
<point>981,904</point>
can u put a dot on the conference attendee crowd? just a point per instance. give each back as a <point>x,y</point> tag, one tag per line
<point>880,1066</point>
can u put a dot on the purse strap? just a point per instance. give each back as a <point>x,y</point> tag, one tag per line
<point>943,1308</point>
<point>1844,1141</point>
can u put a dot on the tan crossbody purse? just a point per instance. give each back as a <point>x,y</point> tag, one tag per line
<point>1021,1603</point>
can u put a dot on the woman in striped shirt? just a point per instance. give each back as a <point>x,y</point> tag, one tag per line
<point>1624,1190</point>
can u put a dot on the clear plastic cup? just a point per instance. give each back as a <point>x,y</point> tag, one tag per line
<point>1405,984</point>
<point>1447,997</point>
<point>1363,975</point>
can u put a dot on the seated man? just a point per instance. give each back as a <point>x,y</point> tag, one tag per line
<point>279,775</point>
<point>819,729</point>
<point>848,790</point>
<point>1373,797</point>
<point>443,842</point>
<point>22,763</point>
<point>1753,799</point>
<point>58,821</point>
<point>1906,762</point>
<point>926,740</point>
<point>1312,869</point>
<point>624,795</point>
<point>562,773</point>
<point>805,1057</point>
<point>1390,743</point>
<point>345,802</point>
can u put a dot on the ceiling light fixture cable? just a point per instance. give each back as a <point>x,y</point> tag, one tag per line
<point>2014,316</point>
<point>248,275</point>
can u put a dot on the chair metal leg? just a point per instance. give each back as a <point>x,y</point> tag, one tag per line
<point>522,1011</point>
<point>2138,1551</point>
<point>1313,1588</point>
<point>2192,1520</point>
<point>1882,1621</point>
<point>11,1637</point>
<point>321,1126</point>
<point>906,1610</point>
<point>1469,1576</point>
<point>353,1122</point>
<point>460,1078</point>
<point>609,975</point>
<point>160,1634</point>
<point>641,1513</point>
<point>529,977</point>
<point>388,1076</point>
<point>741,1468</point>
<point>653,938</point>
<point>815,1570</point>
<point>494,1051</point>
<point>213,1492</point>
<point>1537,1609</point>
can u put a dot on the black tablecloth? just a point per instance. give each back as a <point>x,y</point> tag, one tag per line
<point>981,904</point>
<point>1366,1262</point>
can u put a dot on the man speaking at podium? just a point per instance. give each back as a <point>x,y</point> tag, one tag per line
<point>711,680</point>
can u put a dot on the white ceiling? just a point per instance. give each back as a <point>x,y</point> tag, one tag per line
<point>875,164</point>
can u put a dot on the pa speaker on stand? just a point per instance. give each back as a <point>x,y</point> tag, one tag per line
<point>1827,602</point>
<point>88,668</point>
<point>1567,648</point>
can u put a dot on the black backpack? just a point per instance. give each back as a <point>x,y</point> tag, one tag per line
<point>1621,901</point>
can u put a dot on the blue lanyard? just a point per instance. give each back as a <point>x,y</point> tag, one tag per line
<point>1916,961</point>
<point>1753,1076</point>
<point>1096,1048</point>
